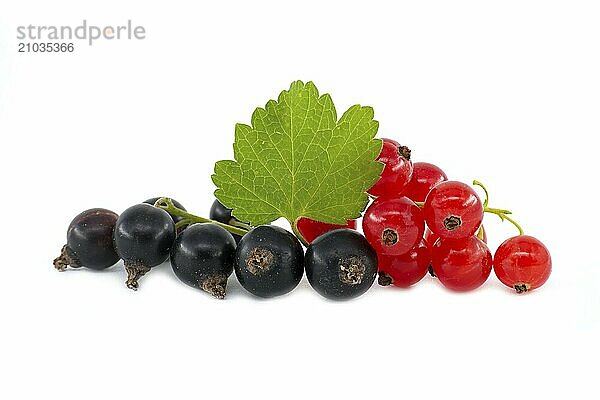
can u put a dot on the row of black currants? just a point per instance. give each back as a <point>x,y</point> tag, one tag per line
<point>268,260</point>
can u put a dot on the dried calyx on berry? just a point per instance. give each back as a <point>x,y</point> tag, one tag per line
<point>522,263</point>
<point>89,241</point>
<point>269,261</point>
<point>341,264</point>
<point>397,172</point>
<point>393,225</point>
<point>202,257</point>
<point>143,238</point>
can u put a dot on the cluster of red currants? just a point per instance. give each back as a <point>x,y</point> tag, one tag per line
<point>420,221</point>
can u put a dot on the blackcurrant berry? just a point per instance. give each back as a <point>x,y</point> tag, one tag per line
<point>269,261</point>
<point>202,257</point>
<point>397,171</point>
<point>89,241</point>
<point>453,210</point>
<point>522,263</point>
<point>340,264</point>
<point>220,213</point>
<point>143,238</point>
<point>311,229</point>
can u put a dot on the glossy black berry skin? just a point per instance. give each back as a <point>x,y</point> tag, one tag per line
<point>202,257</point>
<point>89,241</point>
<point>143,238</point>
<point>218,212</point>
<point>341,264</point>
<point>177,204</point>
<point>269,261</point>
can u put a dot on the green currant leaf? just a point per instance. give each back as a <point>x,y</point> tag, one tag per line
<point>298,160</point>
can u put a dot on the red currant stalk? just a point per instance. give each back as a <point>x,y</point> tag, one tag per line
<point>482,234</point>
<point>521,262</point>
<point>453,210</point>
<point>502,214</point>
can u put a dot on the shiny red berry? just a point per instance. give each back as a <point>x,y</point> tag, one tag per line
<point>424,177</point>
<point>461,265</point>
<point>453,210</point>
<point>311,229</point>
<point>523,263</point>
<point>393,226</point>
<point>397,171</point>
<point>407,269</point>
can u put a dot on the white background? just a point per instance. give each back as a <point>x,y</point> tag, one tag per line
<point>505,92</point>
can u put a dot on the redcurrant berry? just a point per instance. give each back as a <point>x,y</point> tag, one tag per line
<point>424,177</point>
<point>393,226</point>
<point>407,269</point>
<point>397,171</point>
<point>453,210</point>
<point>311,229</point>
<point>523,263</point>
<point>461,265</point>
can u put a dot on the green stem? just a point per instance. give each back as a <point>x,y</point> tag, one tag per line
<point>512,221</point>
<point>480,232</point>
<point>235,222</point>
<point>496,210</point>
<point>183,222</point>
<point>485,202</point>
<point>167,205</point>
<point>503,214</point>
